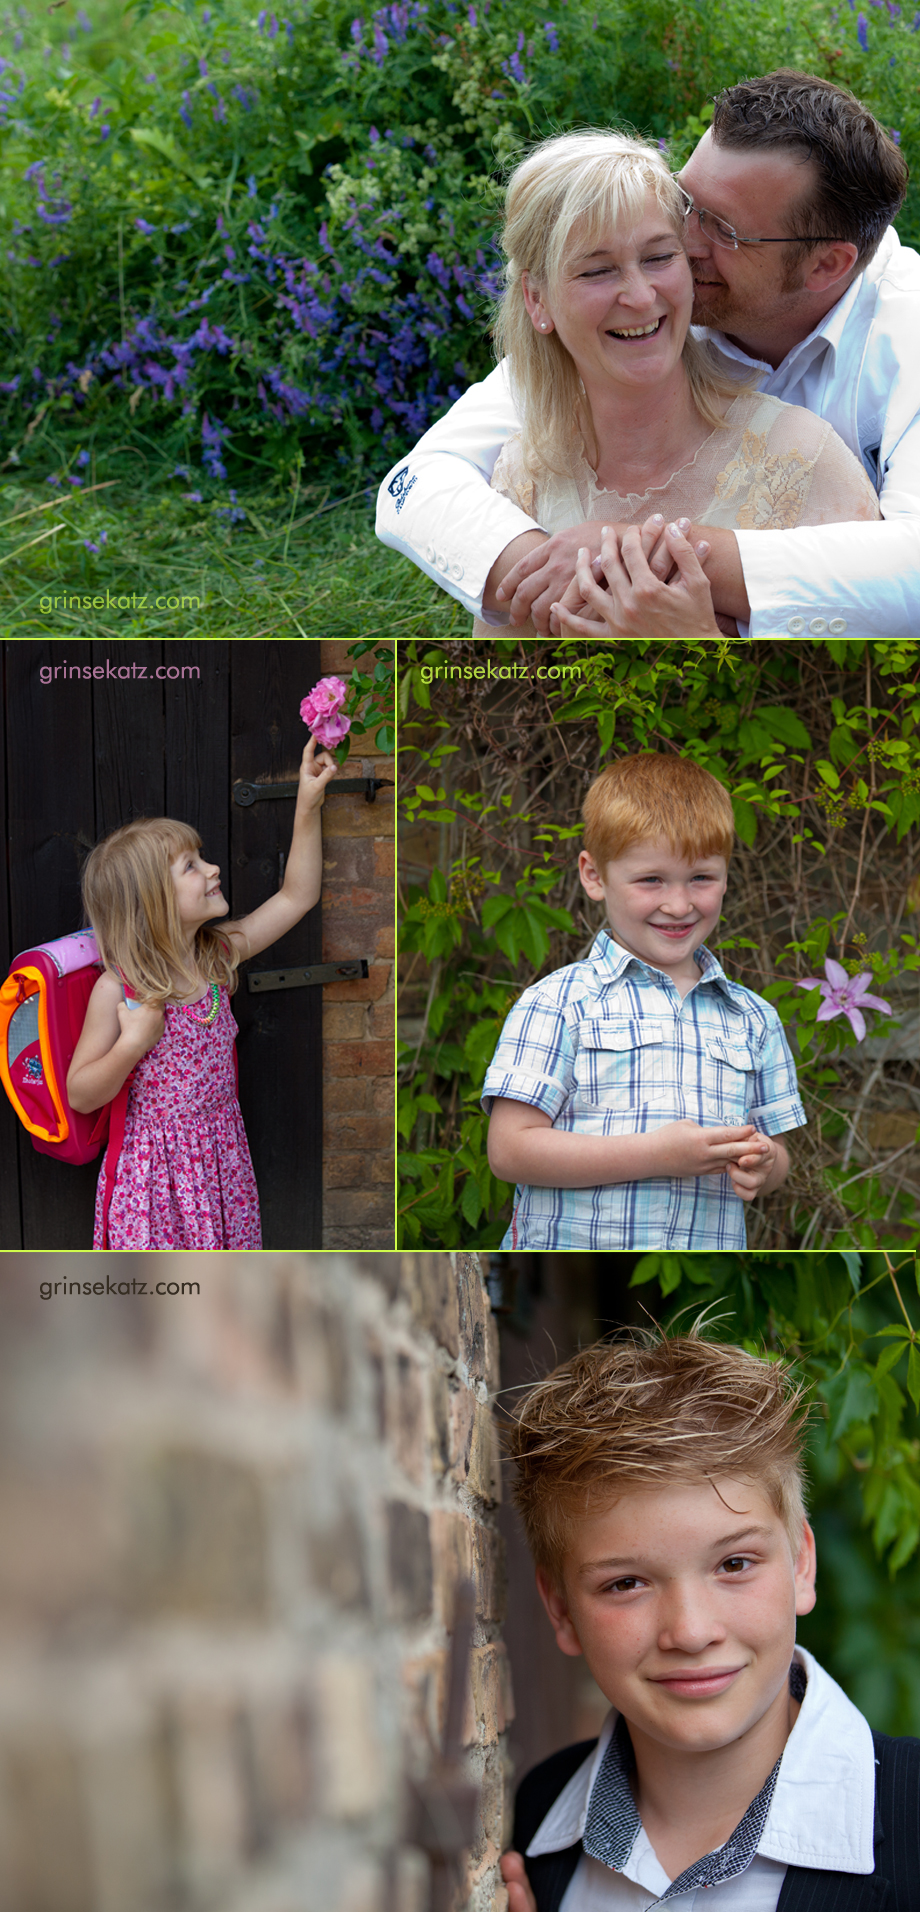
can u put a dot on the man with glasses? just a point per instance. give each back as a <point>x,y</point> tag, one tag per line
<point>800,281</point>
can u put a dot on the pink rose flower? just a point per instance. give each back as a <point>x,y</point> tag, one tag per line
<point>322,711</point>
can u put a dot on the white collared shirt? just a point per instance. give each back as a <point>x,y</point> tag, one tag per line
<point>821,1816</point>
<point>859,369</point>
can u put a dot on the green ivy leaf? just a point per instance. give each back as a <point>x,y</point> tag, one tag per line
<point>913,1374</point>
<point>783,724</point>
<point>853,1267</point>
<point>471,1202</point>
<point>852,1398</point>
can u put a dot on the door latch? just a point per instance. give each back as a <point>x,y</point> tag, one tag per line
<point>246,793</point>
<point>298,977</point>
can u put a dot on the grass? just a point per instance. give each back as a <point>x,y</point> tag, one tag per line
<point>301,563</point>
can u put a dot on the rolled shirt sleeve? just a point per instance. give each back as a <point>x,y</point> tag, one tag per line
<point>534,1061</point>
<point>776,1105</point>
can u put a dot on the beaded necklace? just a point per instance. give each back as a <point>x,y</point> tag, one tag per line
<point>210,1014</point>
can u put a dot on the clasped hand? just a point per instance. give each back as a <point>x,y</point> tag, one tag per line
<point>629,581</point>
<point>743,1153</point>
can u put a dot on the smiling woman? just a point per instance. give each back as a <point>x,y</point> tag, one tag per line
<point>627,418</point>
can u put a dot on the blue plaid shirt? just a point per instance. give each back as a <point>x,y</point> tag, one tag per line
<point>607,1047</point>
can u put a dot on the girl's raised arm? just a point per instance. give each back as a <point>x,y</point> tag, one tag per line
<point>303,875</point>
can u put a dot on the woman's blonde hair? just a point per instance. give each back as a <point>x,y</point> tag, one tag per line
<point>561,200</point>
<point>652,1410</point>
<point>131,906</point>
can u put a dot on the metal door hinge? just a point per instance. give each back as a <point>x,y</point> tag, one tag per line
<point>246,793</point>
<point>295,976</point>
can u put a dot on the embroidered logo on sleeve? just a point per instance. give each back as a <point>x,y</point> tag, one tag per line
<point>399,489</point>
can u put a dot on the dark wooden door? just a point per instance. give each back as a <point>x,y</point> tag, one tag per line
<point>164,730</point>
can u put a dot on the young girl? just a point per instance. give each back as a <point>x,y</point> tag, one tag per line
<point>184,1178</point>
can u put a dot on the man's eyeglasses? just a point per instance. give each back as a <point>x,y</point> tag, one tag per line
<point>722,234</point>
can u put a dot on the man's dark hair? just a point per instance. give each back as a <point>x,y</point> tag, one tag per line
<point>862,177</point>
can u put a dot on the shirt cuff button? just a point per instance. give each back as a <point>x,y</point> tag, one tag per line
<point>795,625</point>
<point>431,554</point>
<point>442,564</point>
<point>817,625</point>
<point>837,624</point>
<point>456,572</point>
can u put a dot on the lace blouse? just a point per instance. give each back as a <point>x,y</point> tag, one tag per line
<point>770,467</point>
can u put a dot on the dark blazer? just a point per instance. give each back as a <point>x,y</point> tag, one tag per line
<point>894,1886</point>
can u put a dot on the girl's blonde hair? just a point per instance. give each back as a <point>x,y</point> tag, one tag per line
<point>131,906</point>
<point>562,200</point>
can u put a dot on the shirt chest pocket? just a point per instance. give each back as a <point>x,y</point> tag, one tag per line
<point>619,1064</point>
<point>729,1079</point>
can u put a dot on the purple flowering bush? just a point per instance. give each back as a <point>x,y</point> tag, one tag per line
<point>237,239</point>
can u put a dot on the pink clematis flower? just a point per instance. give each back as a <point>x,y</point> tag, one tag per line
<point>322,710</point>
<point>844,996</point>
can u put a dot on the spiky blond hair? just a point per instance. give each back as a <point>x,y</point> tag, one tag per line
<point>648,1409</point>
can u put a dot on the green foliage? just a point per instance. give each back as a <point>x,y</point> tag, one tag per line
<point>370,698</point>
<point>493,776</point>
<point>852,1323</point>
<point>282,230</point>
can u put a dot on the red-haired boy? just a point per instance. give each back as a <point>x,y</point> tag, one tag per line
<point>637,1097</point>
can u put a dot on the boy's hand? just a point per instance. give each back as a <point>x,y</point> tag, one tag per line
<point>520,1895</point>
<point>767,1164</point>
<point>686,1149</point>
<point>315,772</point>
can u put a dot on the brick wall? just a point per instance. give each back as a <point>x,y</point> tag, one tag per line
<point>358,878</point>
<point>233,1524</point>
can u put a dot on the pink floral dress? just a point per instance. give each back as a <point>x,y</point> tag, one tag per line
<point>184,1177</point>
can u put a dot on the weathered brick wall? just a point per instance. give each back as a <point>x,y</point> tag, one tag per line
<point>232,1525</point>
<point>358,879</point>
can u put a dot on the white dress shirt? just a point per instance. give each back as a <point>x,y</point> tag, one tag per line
<point>859,369</point>
<point>820,1816</point>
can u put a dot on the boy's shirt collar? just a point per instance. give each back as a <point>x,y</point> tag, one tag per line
<point>612,961</point>
<point>816,1810</point>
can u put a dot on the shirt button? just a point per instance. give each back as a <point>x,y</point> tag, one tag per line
<point>431,554</point>
<point>837,624</point>
<point>441,564</point>
<point>456,572</point>
<point>796,624</point>
<point>817,625</point>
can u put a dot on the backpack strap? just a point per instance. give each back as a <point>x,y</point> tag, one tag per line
<point>117,1111</point>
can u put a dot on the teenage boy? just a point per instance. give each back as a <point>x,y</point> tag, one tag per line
<point>660,1486</point>
<point>802,282</point>
<point>637,1098</point>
